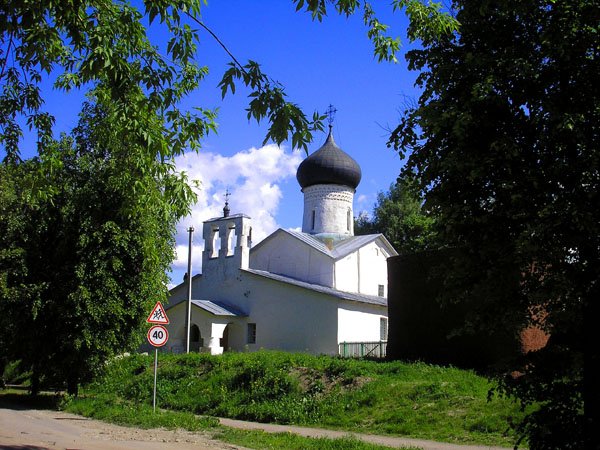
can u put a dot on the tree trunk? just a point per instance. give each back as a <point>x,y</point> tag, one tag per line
<point>73,386</point>
<point>35,382</point>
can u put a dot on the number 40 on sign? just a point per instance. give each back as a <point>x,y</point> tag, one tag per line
<point>158,335</point>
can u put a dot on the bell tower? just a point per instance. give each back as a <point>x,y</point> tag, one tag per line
<point>227,242</point>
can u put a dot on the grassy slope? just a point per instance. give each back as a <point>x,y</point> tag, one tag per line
<point>416,400</point>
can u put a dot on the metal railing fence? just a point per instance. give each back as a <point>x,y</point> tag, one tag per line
<point>375,349</point>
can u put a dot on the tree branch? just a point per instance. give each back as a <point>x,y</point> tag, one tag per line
<point>216,38</point>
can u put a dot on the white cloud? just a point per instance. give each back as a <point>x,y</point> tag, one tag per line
<point>365,203</point>
<point>253,178</point>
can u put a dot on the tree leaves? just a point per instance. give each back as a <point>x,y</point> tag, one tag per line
<point>501,142</point>
<point>81,265</point>
<point>268,100</point>
<point>91,44</point>
<point>427,22</point>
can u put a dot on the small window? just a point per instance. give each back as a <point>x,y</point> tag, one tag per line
<point>381,290</point>
<point>231,240</point>
<point>251,337</point>
<point>216,242</point>
<point>383,328</point>
<point>348,219</point>
<point>314,216</point>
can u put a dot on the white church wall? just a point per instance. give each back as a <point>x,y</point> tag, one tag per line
<point>285,255</point>
<point>291,318</point>
<point>211,329</point>
<point>237,334</point>
<point>282,255</point>
<point>373,269</point>
<point>363,271</point>
<point>359,323</point>
<point>176,328</point>
<point>346,273</point>
<point>286,317</point>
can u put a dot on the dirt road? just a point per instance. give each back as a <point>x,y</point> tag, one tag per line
<point>42,429</point>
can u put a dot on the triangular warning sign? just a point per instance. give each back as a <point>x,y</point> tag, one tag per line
<point>158,315</point>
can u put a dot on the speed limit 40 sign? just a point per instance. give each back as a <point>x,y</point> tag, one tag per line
<point>158,335</point>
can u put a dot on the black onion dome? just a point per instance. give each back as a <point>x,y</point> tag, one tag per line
<point>329,165</point>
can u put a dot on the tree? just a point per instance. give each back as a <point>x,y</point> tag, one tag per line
<point>504,147</point>
<point>87,44</point>
<point>399,215</point>
<point>82,265</point>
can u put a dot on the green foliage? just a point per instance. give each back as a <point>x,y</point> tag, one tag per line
<point>89,45</point>
<point>503,145</point>
<point>400,216</point>
<point>268,100</point>
<point>93,44</point>
<point>104,407</point>
<point>85,249</point>
<point>20,399</point>
<point>14,374</point>
<point>417,400</point>
<point>427,21</point>
<point>291,441</point>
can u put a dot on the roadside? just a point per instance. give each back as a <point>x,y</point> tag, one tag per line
<point>389,441</point>
<point>47,429</point>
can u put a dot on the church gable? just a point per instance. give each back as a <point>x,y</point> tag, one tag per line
<point>284,254</point>
<point>364,270</point>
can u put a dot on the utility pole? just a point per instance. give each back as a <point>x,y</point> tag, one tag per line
<point>188,309</point>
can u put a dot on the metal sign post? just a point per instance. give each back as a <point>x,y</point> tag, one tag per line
<point>188,307</point>
<point>155,373</point>
<point>157,337</point>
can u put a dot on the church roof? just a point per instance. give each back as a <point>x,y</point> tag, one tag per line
<point>218,309</point>
<point>329,165</point>
<point>340,249</point>
<point>229,216</point>
<point>351,296</point>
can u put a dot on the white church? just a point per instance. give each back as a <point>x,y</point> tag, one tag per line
<point>303,291</point>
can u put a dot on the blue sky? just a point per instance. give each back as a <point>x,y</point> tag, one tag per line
<point>319,63</point>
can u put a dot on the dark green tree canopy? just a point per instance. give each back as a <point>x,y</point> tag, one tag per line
<point>82,264</point>
<point>504,146</point>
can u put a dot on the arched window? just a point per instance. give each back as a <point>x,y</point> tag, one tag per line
<point>194,333</point>
<point>216,242</point>
<point>196,341</point>
<point>231,239</point>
